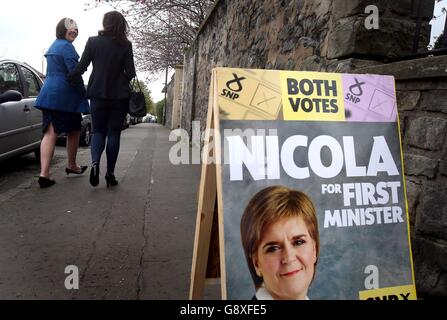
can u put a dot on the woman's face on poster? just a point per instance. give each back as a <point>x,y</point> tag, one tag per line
<point>285,259</point>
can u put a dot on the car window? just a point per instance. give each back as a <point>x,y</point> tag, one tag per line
<point>9,78</point>
<point>30,82</point>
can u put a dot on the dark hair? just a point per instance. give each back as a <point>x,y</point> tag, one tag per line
<point>61,28</point>
<point>115,25</point>
<point>269,206</point>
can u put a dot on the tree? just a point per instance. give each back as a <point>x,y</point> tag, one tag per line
<point>161,29</point>
<point>147,95</point>
<point>159,107</point>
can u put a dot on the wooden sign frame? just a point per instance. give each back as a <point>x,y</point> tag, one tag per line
<point>206,262</point>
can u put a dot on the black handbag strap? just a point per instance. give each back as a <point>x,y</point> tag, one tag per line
<point>138,82</point>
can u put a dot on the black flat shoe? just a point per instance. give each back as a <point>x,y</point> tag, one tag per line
<point>45,182</point>
<point>94,175</point>
<point>110,179</point>
<point>83,168</point>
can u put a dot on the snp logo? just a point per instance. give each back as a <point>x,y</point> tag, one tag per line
<point>233,86</point>
<point>356,92</point>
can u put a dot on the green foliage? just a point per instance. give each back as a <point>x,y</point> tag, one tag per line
<point>159,108</point>
<point>150,108</point>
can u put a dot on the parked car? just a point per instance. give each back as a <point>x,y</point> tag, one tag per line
<point>86,131</point>
<point>20,122</point>
<point>149,118</point>
<point>126,122</point>
<point>133,120</point>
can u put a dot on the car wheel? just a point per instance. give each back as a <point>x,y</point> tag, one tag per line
<point>86,136</point>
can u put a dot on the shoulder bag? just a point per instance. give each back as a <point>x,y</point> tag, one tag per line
<point>137,102</point>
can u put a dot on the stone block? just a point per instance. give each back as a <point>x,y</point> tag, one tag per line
<point>316,7</point>
<point>290,64</point>
<point>286,32</point>
<point>312,63</point>
<point>413,194</point>
<point>432,72</point>
<point>288,46</point>
<point>431,214</point>
<point>434,100</point>
<point>308,42</point>
<point>342,38</point>
<point>350,65</point>
<point>443,166</point>
<point>427,133</point>
<point>394,38</point>
<point>279,63</point>
<point>402,125</point>
<point>430,266</point>
<point>422,84</point>
<point>407,100</point>
<point>347,8</point>
<point>425,10</point>
<point>400,7</point>
<point>416,165</point>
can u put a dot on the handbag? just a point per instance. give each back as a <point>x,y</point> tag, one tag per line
<point>137,102</point>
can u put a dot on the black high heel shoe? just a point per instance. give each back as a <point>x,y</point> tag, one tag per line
<point>94,175</point>
<point>68,171</point>
<point>110,179</point>
<point>45,182</point>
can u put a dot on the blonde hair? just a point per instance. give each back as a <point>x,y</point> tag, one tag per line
<point>269,206</point>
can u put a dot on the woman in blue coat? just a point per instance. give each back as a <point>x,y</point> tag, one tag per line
<point>61,103</point>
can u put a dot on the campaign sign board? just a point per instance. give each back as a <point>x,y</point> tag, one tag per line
<point>334,137</point>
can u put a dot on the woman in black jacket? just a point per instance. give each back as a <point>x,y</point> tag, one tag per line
<point>108,89</point>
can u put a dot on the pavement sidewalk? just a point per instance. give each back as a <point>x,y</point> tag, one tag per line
<point>134,241</point>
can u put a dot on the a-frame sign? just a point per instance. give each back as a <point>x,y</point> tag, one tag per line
<point>332,137</point>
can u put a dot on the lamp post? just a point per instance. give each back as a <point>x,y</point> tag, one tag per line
<point>43,59</point>
<point>167,68</point>
<point>444,41</point>
<point>166,93</point>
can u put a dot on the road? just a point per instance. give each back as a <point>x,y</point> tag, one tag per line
<point>134,241</point>
<point>19,172</point>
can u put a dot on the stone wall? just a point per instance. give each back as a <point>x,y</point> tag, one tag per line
<point>169,102</point>
<point>177,97</point>
<point>188,92</point>
<point>421,87</point>
<point>318,35</point>
<point>329,35</point>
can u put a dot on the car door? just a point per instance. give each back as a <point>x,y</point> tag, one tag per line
<point>13,121</point>
<point>33,116</point>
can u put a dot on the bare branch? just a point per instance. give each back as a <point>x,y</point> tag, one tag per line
<point>161,30</point>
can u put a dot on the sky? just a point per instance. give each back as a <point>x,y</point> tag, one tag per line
<point>438,23</point>
<point>27,29</point>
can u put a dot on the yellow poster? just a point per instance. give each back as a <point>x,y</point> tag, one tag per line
<point>251,94</point>
<point>313,96</point>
